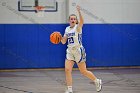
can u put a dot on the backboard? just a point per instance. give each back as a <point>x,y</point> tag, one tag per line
<point>29,5</point>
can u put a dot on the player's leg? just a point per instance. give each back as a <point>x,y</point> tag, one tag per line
<point>80,57</point>
<point>90,75</point>
<point>68,72</point>
<point>85,72</point>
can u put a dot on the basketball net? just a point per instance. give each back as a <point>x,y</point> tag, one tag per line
<point>40,10</point>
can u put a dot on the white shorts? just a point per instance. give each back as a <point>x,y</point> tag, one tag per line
<point>76,54</point>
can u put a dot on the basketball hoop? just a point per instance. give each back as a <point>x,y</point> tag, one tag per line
<point>40,11</point>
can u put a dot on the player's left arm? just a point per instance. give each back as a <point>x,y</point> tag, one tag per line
<point>81,22</point>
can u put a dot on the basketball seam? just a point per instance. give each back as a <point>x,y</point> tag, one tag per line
<point>56,40</point>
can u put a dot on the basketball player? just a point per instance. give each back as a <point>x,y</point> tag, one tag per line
<point>76,52</point>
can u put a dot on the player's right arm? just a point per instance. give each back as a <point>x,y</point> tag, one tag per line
<point>64,39</point>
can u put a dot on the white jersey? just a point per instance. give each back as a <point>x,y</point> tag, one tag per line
<point>73,36</point>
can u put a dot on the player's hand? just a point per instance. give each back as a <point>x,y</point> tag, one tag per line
<point>60,34</point>
<point>78,8</point>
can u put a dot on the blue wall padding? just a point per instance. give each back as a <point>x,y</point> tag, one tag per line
<point>28,45</point>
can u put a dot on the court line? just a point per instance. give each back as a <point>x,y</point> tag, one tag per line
<point>91,68</point>
<point>15,89</point>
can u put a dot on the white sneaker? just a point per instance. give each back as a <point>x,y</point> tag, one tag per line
<point>98,85</point>
<point>67,91</point>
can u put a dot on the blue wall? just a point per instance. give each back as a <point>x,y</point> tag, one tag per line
<point>28,45</point>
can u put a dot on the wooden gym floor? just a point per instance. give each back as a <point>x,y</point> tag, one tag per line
<point>53,81</point>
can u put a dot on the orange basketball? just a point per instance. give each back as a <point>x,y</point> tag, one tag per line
<point>55,37</point>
